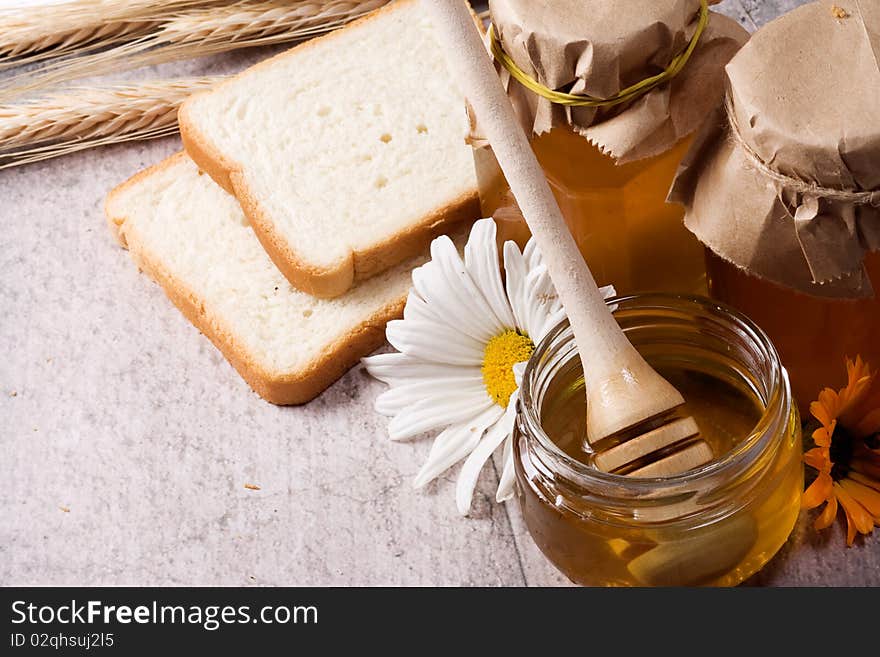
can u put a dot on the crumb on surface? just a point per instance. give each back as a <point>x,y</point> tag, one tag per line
<point>252,487</point>
<point>66,509</point>
<point>839,12</point>
<point>14,393</point>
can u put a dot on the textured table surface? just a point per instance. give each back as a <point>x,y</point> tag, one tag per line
<point>127,440</point>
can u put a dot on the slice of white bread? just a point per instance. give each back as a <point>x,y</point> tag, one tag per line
<point>347,153</point>
<point>192,238</point>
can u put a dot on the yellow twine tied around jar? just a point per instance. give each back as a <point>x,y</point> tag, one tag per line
<point>585,100</point>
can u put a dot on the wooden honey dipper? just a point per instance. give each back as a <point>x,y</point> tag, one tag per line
<point>630,407</point>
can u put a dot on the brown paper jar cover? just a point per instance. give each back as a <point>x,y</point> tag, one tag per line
<point>600,47</point>
<point>804,95</point>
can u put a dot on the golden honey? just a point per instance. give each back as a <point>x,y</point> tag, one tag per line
<point>813,335</point>
<point>715,525</point>
<point>629,236</point>
<point>725,411</point>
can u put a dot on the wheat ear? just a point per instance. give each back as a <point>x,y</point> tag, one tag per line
<point>81,118</point>
<point>36,34</point>
<point>203,32</point>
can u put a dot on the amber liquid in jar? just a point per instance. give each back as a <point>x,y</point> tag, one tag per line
<point>724,412</point>
<point>629,236</point>
<point>715,525</point>
<point>813,335</point>
<point>722,554</point>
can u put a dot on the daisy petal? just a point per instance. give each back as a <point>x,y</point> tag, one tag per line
<point>433,342</point>
<point>543,301</point>
<point>417,308</point>
<point>484,266</point>
<point>608,291</point>
<point>507,485</point>
<point>481,323</point>
<point>507,482</point>
<point>470,471</point>
<point>395,400</point>
<point>549,323</point>
<point>516,272</point>
<point>445,286</point>
<point>444,301</point>
<point>532,254</point>
<point>397,367</point>
<point>427,415</point>
<point>454,443</point>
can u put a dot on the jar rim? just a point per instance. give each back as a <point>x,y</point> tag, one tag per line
<point>777,400</point>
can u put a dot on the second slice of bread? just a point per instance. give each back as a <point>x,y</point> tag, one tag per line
<point>192,238</point>
<point>347,153</point>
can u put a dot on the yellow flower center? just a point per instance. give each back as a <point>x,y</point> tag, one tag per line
<point>502,353</point>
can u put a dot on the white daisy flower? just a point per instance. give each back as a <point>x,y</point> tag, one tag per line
<point>461,348</point>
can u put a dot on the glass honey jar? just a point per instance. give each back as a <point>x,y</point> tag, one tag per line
<point>783,188</point>
<point>610,161</point>
<point>814,335</point>
<point>714,525</point>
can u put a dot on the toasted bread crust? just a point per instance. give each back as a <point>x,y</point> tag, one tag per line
<point>278,388</point>
<point>323,282</point>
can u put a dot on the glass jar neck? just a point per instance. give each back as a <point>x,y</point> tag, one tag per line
<point>721,486</point>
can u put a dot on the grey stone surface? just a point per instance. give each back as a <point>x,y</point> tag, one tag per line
<point>761,11</point>
<point>127,440</point>
<point>735,10</point>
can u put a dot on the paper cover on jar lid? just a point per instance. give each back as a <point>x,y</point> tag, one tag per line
<point>784,181</point>
<point>599,48</point>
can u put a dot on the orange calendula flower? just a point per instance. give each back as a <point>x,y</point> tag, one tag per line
<point>847,452</point>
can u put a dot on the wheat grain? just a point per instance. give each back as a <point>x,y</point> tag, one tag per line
<point>36,34</point>
<point>81,118</point>
<point>203,32</point>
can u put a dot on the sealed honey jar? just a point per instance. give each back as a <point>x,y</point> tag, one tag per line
<point>713,525</point>
<point>610,93</point>
<point>783,187</point>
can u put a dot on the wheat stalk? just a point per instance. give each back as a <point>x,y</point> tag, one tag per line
<point>201,32</point>
<point>35,34</point>
<point>82,118</point>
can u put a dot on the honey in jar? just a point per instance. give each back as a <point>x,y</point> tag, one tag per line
<point>783,188</point>
<point>814,335</point>
<point>610,166</point>
<point>714,525</point>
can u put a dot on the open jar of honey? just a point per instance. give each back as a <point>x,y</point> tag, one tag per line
<point>610,93</point>
<point>714,525</point>
<point>783,188</point>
